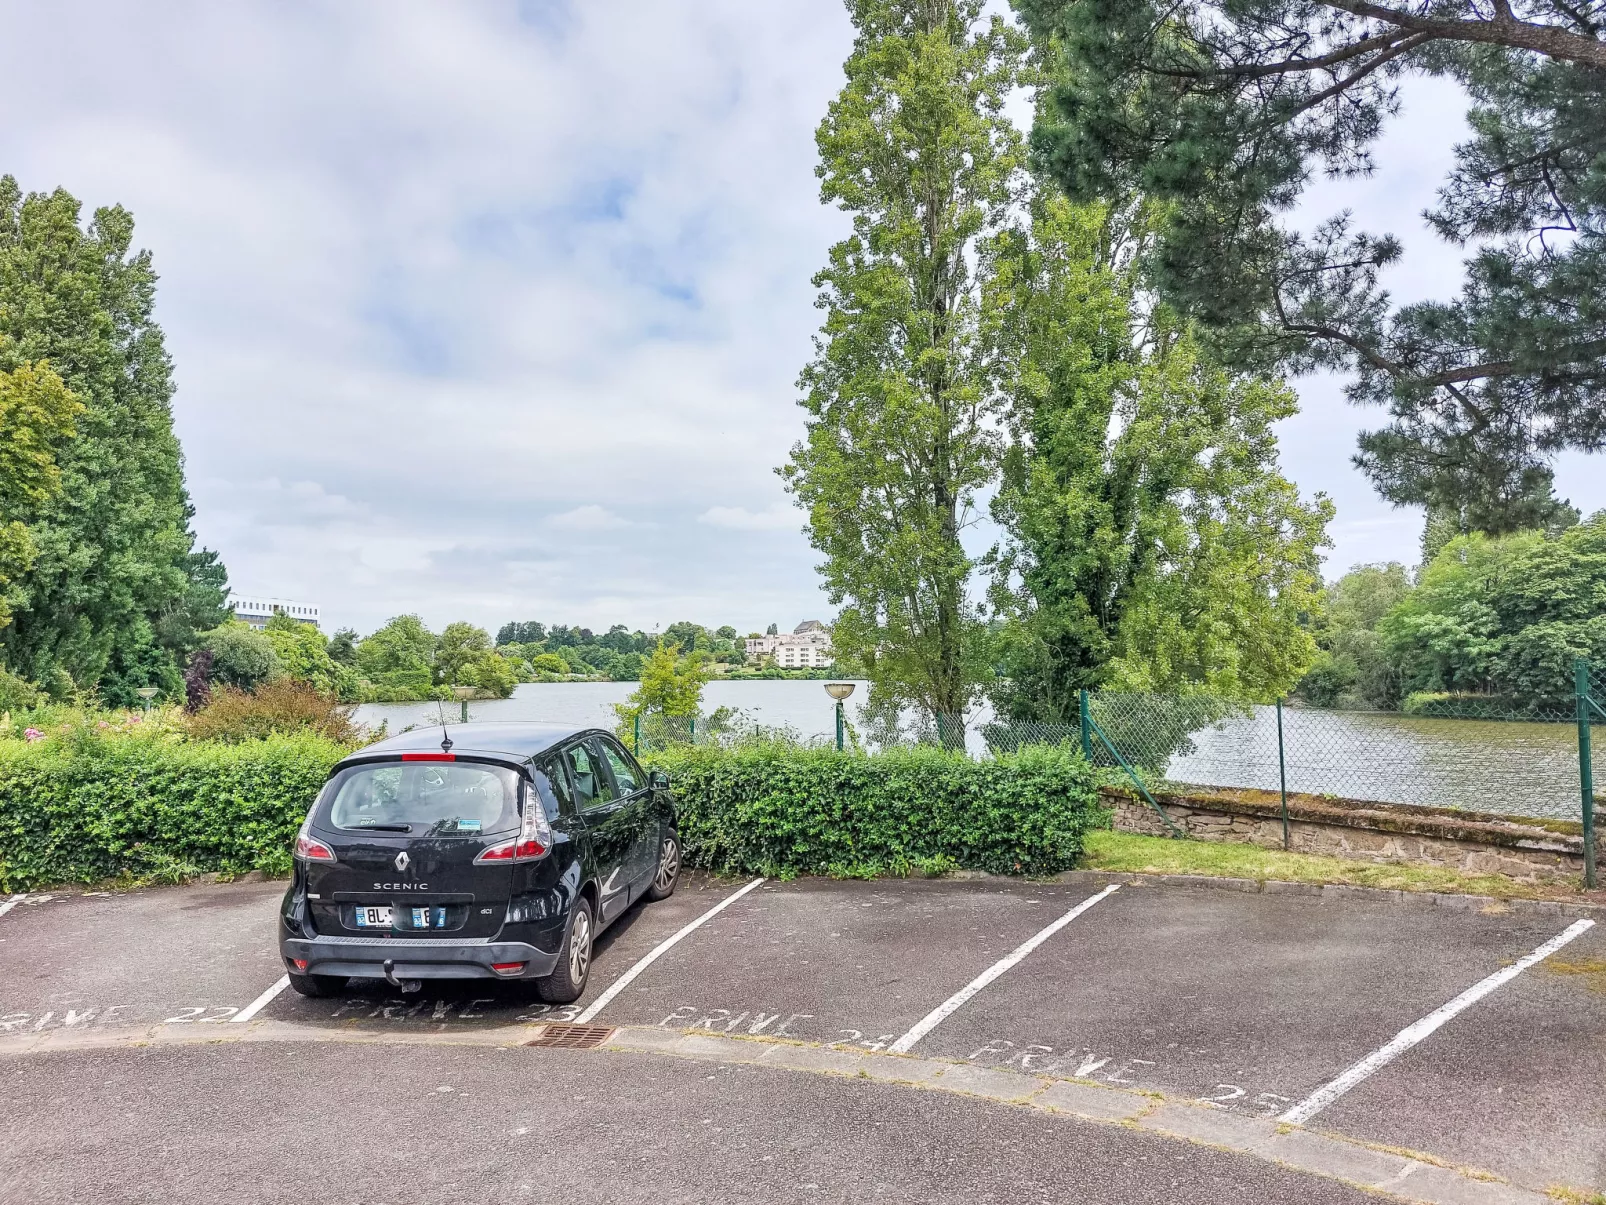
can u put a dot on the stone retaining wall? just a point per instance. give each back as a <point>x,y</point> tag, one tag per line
<point>1476,842</point>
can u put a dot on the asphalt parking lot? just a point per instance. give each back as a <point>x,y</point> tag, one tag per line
<point>1463,1032</point>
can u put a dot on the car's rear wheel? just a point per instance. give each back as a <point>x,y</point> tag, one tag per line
<point>318,986</point>
<point>668,873</point>
<point>568,980</point>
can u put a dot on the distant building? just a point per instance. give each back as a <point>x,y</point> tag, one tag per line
<point>256,609</point>
<point>808,646</point>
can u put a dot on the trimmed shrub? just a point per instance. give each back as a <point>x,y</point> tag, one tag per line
<point>85,808</point>
<point>776,809</point>
<point>280,707</point>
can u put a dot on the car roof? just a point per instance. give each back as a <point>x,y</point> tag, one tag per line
<point>520,741</point>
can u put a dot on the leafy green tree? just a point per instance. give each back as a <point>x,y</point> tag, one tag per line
<point>549,663</point>
<point>1151,542</point>
<point>726,632</point>
<point>772,630</point>
<point>404,645</point>
<point>111,547</point>
<point>343,647</point>
<point>37,413</point>
<point>242,657</point>
<point>687,635</point>
<point>490,674</point>
<point>1504,616</point>
<point>204,605</point>
<point>302,652</point>
<point>1353,668</point>
<point>1223,109</point>
<point>900,398</point>
<point>671,685</point>
<point>459,646</point>
<point>521,633</point>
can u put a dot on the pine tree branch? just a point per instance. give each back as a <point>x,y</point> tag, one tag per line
<point>1498,31</point>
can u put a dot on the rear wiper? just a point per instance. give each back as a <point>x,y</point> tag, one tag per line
<point>388,828</point>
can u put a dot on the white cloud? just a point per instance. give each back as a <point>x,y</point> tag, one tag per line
<point>432,275</point>
<point>460,271</point>
<point>587,518</point>
<point>739,518</point>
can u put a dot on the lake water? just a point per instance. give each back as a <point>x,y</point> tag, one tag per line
<point>1526,769</point>
<point>799,705</point>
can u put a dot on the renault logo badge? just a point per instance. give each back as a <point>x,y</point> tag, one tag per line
<point>402,860</point>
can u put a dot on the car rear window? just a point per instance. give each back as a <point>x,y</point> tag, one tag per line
<point>438,799</point>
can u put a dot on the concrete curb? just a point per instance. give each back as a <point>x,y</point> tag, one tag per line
<point>1395,1174</point>
<point>1402,1176</point>
<point>1333,891</point>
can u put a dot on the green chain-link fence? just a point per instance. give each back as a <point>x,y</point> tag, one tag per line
<point>1462,752</point>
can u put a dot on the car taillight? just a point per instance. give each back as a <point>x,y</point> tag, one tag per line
<point>534,839</point>
<point>309,848</point>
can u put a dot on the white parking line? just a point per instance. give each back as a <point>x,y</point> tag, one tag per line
<point>954,1002</point>
<point>8,905</point>
<point>261,1002</point>
<point>659,950</point>
<point>1412,1034</point>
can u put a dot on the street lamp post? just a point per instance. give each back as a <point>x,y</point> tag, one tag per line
<point>839,691</point>
<point>464,694</point>
<point>147,693</point>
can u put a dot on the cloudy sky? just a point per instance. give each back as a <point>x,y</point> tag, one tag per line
<point>492,309</point>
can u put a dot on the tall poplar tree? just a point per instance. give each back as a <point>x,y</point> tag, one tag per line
<point>114,565</point>
<point>901,396</point>
<point>1151,542</point>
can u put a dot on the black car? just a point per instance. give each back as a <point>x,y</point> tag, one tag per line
<point>482,851</point>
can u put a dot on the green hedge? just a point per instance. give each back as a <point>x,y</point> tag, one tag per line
<point>83,810</point>
<point>88,809</point>
<point>780,810</point>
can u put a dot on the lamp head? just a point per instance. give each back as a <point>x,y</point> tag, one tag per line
<point>839,690</point>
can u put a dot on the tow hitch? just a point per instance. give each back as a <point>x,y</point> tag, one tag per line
<point>406,985</point>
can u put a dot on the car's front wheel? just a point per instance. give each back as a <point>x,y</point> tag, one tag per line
<point>668,873</point>
<point>318,986</point>
<point>568,980</point>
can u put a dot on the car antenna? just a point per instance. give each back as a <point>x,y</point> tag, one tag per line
<point>446,740</point>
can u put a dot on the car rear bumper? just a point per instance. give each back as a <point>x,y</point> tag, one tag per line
<point>421,958</point>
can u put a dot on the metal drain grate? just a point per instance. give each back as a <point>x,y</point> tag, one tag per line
<point>572,1037</point>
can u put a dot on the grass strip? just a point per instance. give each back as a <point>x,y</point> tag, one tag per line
<point>1130,853</point>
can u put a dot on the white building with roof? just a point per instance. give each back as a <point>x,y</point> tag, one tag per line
<point>808,646</point>
<point>257,609</point>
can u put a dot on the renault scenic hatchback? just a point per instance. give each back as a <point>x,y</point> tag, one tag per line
<point>484,851</point>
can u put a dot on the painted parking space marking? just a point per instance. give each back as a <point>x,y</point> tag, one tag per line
<point>659,951</point>
<point>261,1002</point>
<point>23,897</point>
<point>957,1001</point>
<point>1414,1033</point>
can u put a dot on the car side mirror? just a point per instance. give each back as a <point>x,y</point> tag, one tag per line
<point>659,780</point>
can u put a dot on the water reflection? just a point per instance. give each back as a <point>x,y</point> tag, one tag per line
<point>1524,768</point>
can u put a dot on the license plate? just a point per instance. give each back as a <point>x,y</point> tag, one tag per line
<point>380,917</point>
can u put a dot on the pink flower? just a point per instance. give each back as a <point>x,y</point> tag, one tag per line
<point>133,719</point>
<point>32,734</point>
<point>104,724</point>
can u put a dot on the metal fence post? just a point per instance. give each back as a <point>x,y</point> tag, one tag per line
<point>1282,771</point>
<point>694,730</point>
<point>1087,725</point>
<point>635,744</point>
<point>1586,766</point>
